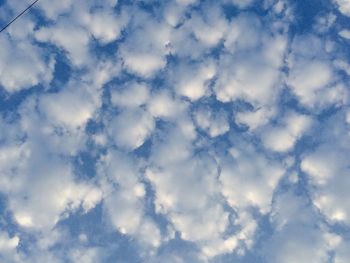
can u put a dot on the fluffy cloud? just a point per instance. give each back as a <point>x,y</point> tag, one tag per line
<point>245,185</point>
<point>23,65</point>
<point>177,131</point>
<point>296,237</point>
<point>130,129</point>
<point>128,197</point>
<point>214,124</point>
<point>344,6</point>
<point>283,137</point>
<point>313,80</point>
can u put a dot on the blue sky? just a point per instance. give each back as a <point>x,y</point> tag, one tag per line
<point>175,131</point>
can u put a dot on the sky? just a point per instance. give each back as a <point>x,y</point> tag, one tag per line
<point>175,131</point>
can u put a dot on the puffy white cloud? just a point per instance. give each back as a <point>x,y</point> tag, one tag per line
<point>256,118</point>
<point>344,6</point>
<point>130,95</point>
<point>55,8</point>
<point>243,33</point>
<point>252,71</point>
<point>190,202</point>
<point>344,33</point>
<point>64,195</point>
<point>209,30</point>
<point>8,244</point>
<point>104,26</point>
<point>297,237</point>
<point>70,108</point>
<point>125,204</point>
<point>72,38</point>
<point>39,176</point>
<point>246,185</point>
<point>192,81</point>
<point>144,64</point>
<point>327,169</point>
<point>311,76</point>
<point>23,65</point>
<point>308,77</point>
<point>163,105</point>
<point>214,124</point>
<point>143,53</point>
<point>173,71</point>
<point>131,128</point>
<point>282,138</point>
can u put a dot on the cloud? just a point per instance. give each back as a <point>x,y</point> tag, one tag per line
<point>283,137</point>
<point>131,95</point>
<point>23,65</point>
<point>296,236</point>
<point>251,69</point>
<point>129,218</point>
<point>71,108</point>
<point>214,124</point>
<point>174,131</point>
<point>245,185</point>
<point>131,128</point>
<point>344,33</point>
<point>61,35</point>
<point>313,80</point>
<point>343,6</point>
<point>192,81</point>
<point>327,167</point>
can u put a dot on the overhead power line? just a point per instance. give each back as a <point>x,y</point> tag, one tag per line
<point>19,15</point>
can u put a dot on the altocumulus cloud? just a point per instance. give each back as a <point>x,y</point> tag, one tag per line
<point>175,131</point>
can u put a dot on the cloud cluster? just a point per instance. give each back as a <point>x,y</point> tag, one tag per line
<point>175,131</point>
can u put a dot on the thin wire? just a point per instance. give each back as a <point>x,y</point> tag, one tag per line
<point>19,15</point>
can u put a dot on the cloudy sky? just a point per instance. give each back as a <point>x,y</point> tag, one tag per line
<point>175,131</point>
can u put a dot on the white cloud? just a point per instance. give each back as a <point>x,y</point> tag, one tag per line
<point>327,169</point>
<point>307,77</point>
<point>8,244</point>
<point>144,64</point>
<point>105,26</point>
<point>163,105</point>
<point>283,137</point>
<point>297,237</point>
<point>214,124</point>
<point>40,177</point>
<point>72,38</point>
<point>131,128</point>
<point>311,76</point>
<point>256,118</point>
<point>192,81</point>
<point>192,197</point>
<point>252,71</point>
<point>23,65</point>
<point>245,185</point>
<point>129,217</point>
<point>143,53</point>
<point>344,33</point>
<point>344,6</point>
<point>190,202</point>
<point>55,8</point>
<point>70,108</point>
<point>209,30</point>
<point>130,95</point>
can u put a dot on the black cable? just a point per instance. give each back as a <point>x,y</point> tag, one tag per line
<point>18,16</point>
